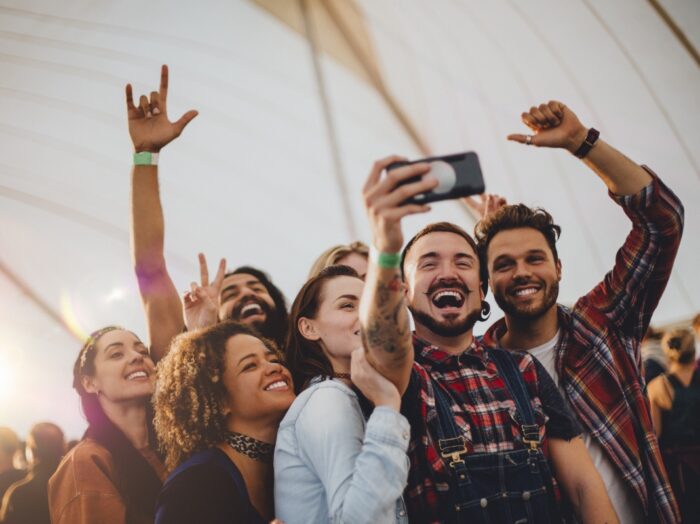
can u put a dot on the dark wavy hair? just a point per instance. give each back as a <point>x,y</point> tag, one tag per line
<point>305,358</point>
<point>514,217</point>
<point>277,324</point>
<point>139,484</point>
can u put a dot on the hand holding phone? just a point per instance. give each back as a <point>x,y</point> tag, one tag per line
<point>459,175</point>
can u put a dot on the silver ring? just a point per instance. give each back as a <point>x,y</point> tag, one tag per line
<point>528,140</point>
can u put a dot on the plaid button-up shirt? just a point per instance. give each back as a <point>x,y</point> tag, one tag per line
<point>598,357</point>
<point>483,410</point>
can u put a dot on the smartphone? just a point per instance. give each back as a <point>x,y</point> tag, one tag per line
<point>459,176</point>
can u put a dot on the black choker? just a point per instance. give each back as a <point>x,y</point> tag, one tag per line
<point>251,447</point>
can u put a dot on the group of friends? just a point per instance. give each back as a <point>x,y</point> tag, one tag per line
<point>371,400</point>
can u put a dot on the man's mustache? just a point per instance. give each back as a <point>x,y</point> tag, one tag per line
<point>449,284</point>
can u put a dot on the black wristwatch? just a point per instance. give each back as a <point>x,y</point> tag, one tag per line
<point>588,143</point>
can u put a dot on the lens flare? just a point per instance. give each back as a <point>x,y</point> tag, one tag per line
<point>70,318</point>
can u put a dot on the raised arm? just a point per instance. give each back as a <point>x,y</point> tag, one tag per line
<point>150,131</point>
<point>630,292</point>
<point>555,125</point>
<point>383,311</point>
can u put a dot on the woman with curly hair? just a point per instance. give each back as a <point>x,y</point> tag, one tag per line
<point>221,394</point>
<point>334,460</point>
<point>113,475</point>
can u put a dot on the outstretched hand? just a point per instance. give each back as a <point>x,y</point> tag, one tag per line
<point>149,127</point>
<point>201,302</point>
<point>554,125</point>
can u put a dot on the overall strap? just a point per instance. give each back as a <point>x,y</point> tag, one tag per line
<point>452,446</point>
<point>515,383</point>
<point>451,442</point>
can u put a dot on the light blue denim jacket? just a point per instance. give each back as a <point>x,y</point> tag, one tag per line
<point>333,466</point>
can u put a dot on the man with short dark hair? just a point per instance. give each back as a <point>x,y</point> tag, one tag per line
<point>245,295</point>
<point>27,500</point>
<point>593,349</point>
<point>480,418</point>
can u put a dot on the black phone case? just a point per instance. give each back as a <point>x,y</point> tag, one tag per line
<point>468,178</point>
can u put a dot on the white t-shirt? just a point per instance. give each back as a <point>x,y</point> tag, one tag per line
<point>628,508</point>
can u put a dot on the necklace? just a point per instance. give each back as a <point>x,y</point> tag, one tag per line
<point>346,376</point>
<point>251,447</point>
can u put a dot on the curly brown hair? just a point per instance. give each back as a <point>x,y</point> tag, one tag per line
<point>190,394</point>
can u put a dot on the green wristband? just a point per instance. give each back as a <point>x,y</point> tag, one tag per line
<point>385,260</point>
<point>145,158</point>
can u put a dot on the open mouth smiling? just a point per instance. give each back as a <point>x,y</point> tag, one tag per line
<point>524,291</point>
<point>250,310</point>
<point>277,385</point>
<point>136,375</point>
<point>447,298</point>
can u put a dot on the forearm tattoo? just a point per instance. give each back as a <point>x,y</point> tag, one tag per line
<point>388,326</point>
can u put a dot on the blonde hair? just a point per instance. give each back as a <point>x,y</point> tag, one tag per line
<point>679,345</point>
<point>331,256</point>
<point>189,399</point>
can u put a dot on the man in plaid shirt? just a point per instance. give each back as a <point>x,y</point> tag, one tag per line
<point>593,349</point>
<point>476,423</point>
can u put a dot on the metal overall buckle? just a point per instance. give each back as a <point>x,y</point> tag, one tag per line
<point>453,449</point>
<point>531,438</point>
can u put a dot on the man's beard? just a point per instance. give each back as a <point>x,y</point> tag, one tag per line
<point>528,312</point>
<point>263,326</point>
<point>446,328</point>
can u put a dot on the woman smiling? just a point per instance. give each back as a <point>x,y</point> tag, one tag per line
<point>221,394</point>
<point>113,475</point>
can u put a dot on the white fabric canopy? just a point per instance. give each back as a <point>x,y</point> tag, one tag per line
<point>252,178</point>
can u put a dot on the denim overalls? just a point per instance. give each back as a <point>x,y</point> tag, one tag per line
<point>513,487</point>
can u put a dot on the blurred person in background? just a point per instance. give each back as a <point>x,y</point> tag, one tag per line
<point>654,358</point>
<point>9,447</point>
<point>334,461</point>
<point>221,394</point>
<point>353,255</point>
<point>696,330</point>
<point>26,501</point>
<point>113,475</point>
<point>675,409</point>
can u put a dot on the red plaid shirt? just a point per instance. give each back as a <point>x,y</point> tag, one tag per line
<point>598,356</point>
<point>483,410</point>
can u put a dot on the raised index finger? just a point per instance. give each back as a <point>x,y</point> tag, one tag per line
<point>203,270</point>
<point>163,84</point>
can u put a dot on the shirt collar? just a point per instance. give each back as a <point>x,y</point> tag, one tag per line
<point>498,328</point>
<point>431,354</point>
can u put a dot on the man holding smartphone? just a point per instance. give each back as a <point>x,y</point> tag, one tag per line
<point>593,349</point>
<point>481,419</point>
